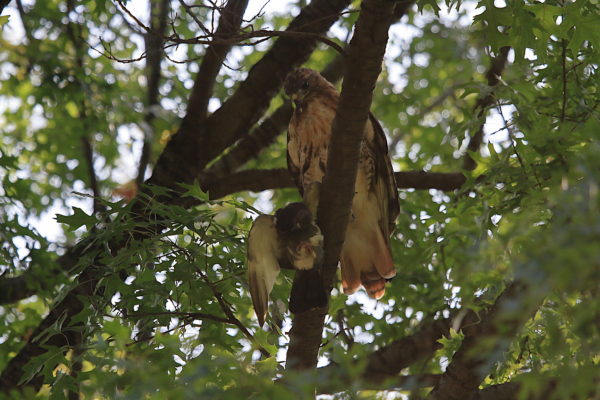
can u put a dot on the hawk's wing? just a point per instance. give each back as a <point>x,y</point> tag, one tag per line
<point>366,257</point>
<point>263,266</point>
<point>293,162</point>
<point>383,182</point>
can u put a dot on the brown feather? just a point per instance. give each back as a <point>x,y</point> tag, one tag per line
<point>366,258</point>
<point>375,288</point>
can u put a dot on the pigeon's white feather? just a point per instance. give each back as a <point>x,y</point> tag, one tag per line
<point>263,267</point>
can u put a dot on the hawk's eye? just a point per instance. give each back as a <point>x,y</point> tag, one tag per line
<point>305,85</point>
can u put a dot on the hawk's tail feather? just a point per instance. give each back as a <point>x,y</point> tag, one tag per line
<point>375,288</point>
<point>383,257</point>
<point>366,260</point>
<point>350,275</point>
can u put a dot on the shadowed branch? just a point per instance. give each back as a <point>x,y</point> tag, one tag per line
<point>154,55</point>
<point>257,180</point>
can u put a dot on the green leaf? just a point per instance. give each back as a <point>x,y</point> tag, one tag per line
<point>195,191</point>
<point>78,219</point>
<point>586,28</point>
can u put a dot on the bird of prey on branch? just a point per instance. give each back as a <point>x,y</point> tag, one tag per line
<point>291,240</point>
<point>365,257</point>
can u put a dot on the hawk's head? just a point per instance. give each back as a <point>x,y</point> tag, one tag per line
<point>302,82</point>
<point>293,218</point>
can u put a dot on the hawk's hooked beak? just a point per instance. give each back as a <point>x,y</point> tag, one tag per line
<point>297,100</point>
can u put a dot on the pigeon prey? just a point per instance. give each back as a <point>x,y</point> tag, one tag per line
<point>290,240</point>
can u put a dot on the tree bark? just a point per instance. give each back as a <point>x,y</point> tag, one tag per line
<point>257,180</point>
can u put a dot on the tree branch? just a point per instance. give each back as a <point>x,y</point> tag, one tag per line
<point>42,337</point>
<point>86,145</point>
<point>402,382</point>
<point>3,3</point>
<point>154,42</point>
<point>493,77</point>
<point>254,180</point>
<point>245,149</point>
<point>545,388</point>
<point>365,54</point>
<point>501,320</point>
<point>257,180</point>
<point>384,365</point>
<point>486,342</point>
<point>88,156</point>
<point>188,9</point>
<point>564,79</point>
<point>229,24</point>
<point>154,54</point>
<point>387,362</point>
<point>503,391</point>
<point>13,289</point>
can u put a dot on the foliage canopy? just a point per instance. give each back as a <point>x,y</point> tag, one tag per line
<point>498,275</point>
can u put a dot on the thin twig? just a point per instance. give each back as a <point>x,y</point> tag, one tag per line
<point>23,18</point>
<point>188,9</point>
<point>514,147</point>
<point>564,78</point>
<point>346,333</point>
<point>133,17</point>
<point>261,33</point>
<point>154,50</point>
<point>187,315</point>
<point>229,313</point>
<point>149,337</point>
<point>493,78</point>
<point>265,34</point>
<point>88,152</point>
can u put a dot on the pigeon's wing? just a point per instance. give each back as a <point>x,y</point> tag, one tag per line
<point>263,266</point>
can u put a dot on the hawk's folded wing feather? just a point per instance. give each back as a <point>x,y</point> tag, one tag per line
<point>387,192</point>
<point>293,162</point>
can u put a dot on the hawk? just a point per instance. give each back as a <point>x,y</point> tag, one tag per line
<point>289,239</point>
<point>365,257</point>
